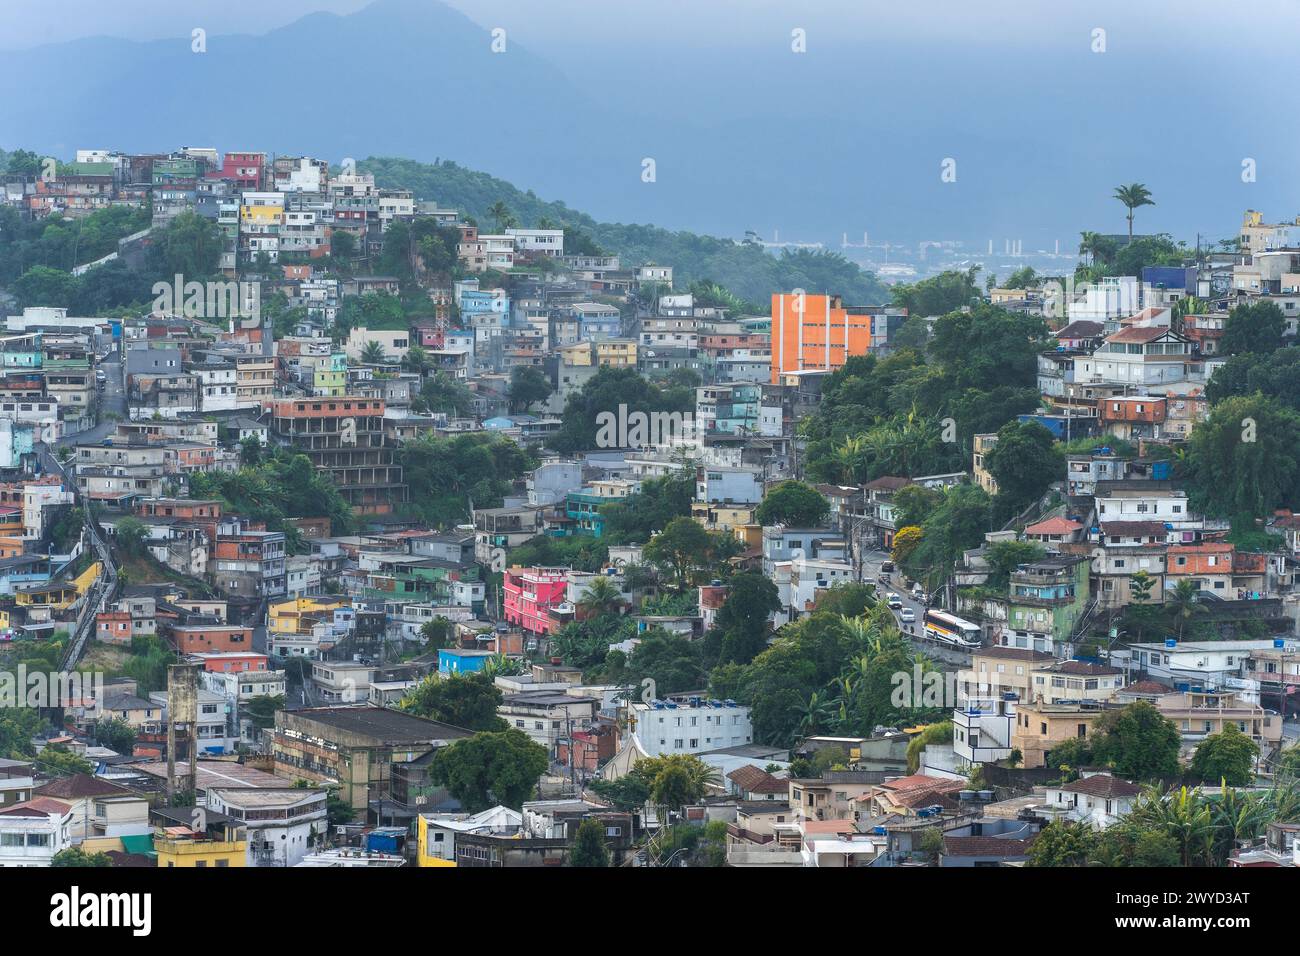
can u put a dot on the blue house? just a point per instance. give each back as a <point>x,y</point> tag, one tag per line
<point>454,660</point>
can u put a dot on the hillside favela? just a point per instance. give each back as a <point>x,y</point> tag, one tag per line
<point>372,512</point>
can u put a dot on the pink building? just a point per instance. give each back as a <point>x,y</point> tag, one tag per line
<point>531,594</point>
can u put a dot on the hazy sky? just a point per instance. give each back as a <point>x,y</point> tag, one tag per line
<point>1185,90</point>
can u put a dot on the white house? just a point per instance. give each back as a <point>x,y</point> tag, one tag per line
<point>283,824</point>
<point>32,833</point>
<point>690,725</point>
<point>1096,798</point>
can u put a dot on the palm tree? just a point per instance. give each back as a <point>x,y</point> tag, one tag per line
<point>1239,817</point>
<point>417,360</point>
<point>372,353</point>
<point>1185,603</point>
<point>849,458</point>
<point>498,665</point>
<point>1181,814</point>
<point>815,712</point>
<point>601,597</point>
<point>1132,196</point>
<point>500,213</point>
<point>1089,245</point>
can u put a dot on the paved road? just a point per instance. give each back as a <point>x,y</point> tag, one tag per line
<point>112,399</point>
<point>872,561</point>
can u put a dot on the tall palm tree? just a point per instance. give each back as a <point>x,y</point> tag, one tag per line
<point>600,597</point>
<point>1133,196</point>
<point>1089,243</point>
<point>500,214</point>
<point>1184,603</point>
<point>372,353</point>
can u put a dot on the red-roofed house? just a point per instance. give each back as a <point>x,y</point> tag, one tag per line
<point>100,808</point>
<point>754,783</point>
<point>1053,531</point>
<point>1097,799</point>
<point>1138,355</point>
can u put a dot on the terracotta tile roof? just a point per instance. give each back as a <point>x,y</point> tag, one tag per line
<point>890,482</point>
<point>1103,785</point>
<point>1146,687</point>
<point>920,790</point>
<point>751,779</point>
<point>82,785</point>
<point>919,780</point>
<point>1138,333</point>
<point>829,826</point>
<point>918,799</point>
<point>1057,525</point>
<point>37,806</point>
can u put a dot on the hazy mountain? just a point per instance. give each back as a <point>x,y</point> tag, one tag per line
<point>745,134</point>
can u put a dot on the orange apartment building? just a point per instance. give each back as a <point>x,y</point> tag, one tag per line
<point>821,332</point>
<point>211,639</point>
<point>11,532</point>
<point>1134,417</point>
<point>1208,565</point>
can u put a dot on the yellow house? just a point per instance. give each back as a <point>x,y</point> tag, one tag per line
<point>57,594</point>
<point>1040,726</point>
<point>616,352</point>
<point>736,519</point>
<point>287,616</point>
<point>218,845</point>
<point>53,594</point>
<point>428,849</point>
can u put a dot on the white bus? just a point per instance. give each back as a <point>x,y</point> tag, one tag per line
<point>952,630</point>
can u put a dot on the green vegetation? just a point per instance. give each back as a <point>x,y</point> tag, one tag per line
<point>490,768</point>
<point>745,268</point>
<point>469,701</point>
<point>886,416</point>
<point>1245,458</point>
<point>589,847</point>
<point>600,401</point>
<point>283,485</point>
<point>828,674</point>
<point>446,475</point>
<point>1179,827</point>
<point>794,504</point>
